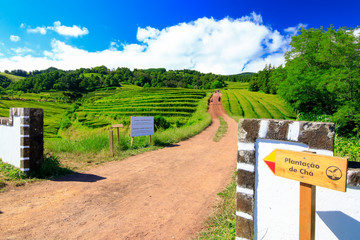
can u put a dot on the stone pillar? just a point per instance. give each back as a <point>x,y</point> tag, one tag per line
<point>317,136</point>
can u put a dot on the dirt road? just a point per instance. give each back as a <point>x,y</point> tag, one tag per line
<point>164,194</point>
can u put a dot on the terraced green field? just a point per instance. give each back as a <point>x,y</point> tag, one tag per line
<point>176,105</point>
<point>102,108</point>
<point>242,103</point>
<point>52,113</point>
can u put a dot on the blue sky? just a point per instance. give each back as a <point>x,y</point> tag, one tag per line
<point>224,37</point>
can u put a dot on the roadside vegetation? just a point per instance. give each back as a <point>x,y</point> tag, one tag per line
<point>222,224</point>
<point>12,176</point>
<point>221,130</point>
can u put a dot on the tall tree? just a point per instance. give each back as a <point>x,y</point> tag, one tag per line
<point>323,75</point>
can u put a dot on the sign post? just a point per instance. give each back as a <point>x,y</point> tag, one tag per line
<point>117,126</point>
<point>307,211</point>
<point>314,169</point>
<point>310,170</point>
<point>141,126</point>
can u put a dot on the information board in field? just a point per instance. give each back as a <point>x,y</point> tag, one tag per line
<point>142,126</point>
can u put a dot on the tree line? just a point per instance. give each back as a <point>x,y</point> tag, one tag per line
<point>90,79</point>
<point>321,77</point>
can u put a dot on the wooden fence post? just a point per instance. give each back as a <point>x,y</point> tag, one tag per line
<point>117,126</point>
<point>118,135</point>
<point>111,143</point>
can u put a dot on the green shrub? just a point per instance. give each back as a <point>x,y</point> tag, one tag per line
<point>10,172</point>
<point>217,84</point>
<point>347,147</point>
<point>51,167</point>
<point>160,123</point>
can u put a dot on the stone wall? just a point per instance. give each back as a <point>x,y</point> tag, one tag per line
<point>21,138</point>
<point>252,197</point>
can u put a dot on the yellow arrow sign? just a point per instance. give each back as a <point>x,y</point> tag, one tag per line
<point>314,169</point>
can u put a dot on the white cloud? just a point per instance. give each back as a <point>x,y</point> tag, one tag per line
<point>226,46</point>
<point>295,30</point>
<point>253,17</point>
<point>74,31</point>
<point>145,34</point>
<point>258,64</point>
<point>21,51</point>
<point>14,38</point>
<point>41,30</point>
<point>357,32</point>
<point>114,46</point>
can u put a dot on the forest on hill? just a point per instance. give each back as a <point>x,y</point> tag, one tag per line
<point>90,79</point>
<point>321,77</point>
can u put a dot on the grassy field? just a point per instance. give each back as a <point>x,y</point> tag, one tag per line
<point>241,103</point>
<point>11,77</point>
<point>236,85</point>
<point>52,113</point>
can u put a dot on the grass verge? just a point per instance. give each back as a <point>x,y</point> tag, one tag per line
<point>221,130</point>
<point>222,224</point>
<point>12,176</point>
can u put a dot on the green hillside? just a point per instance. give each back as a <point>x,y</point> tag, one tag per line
<point>102,108</point>
<point>175,105</point>
<point>13,78</point>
